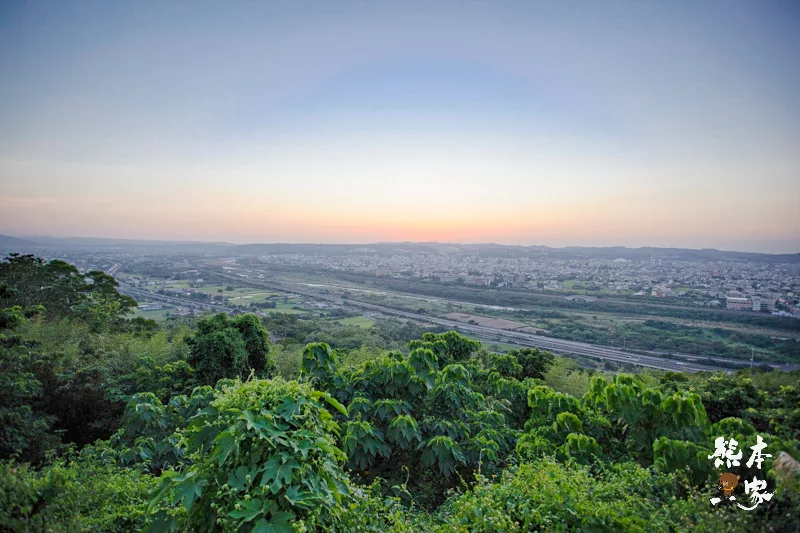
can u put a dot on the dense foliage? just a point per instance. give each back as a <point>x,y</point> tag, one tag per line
<point>63,291</point>
<point>109,424</point>
<point>227,348</point>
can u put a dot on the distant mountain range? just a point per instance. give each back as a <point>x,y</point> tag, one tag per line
<point>504,250</point>
<point>43,243</point>
<point>10,243</point>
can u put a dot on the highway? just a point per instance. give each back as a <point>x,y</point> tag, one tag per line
<point>419,288</point>
<point>181,302</point>
<point>558,346</point>
<point>691,363</point>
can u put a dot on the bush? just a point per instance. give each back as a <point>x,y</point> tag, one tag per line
<point>263,456</point>
<point>551,496</point>
<point>72,495</point>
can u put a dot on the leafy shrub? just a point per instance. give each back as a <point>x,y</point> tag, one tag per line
<point>72,495</point>
<point>263,456</point>
<point>642,414</point>
<point>165,381</point>
<point>150,436</point>
<point>455,428</point>
<point>550,496</point>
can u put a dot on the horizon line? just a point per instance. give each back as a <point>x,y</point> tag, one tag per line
<point>185,241</point>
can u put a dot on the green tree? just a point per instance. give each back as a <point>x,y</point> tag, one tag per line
<point>23,428</point>
<point>256,344</point>
<point>535,363</point>
<point>229,348</point>
<point>64,291</point>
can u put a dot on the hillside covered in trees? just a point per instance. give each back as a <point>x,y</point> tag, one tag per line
<point>115,424</point>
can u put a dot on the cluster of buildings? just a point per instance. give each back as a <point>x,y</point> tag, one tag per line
<point>736,285</point>
<point>764,302</point>
<point>729,284</point>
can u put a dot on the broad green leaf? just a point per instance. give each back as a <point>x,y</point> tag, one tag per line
<point>290,407</point>
<point>238,480</point>
<point>299,498</point>
<point>270,470</point>
<point>225,445</point>
<point>248,509</point>
<point>188,489</point>
<point>335,403</point>
<point>279,521</point>
<point>250,418</point>
<point>202,438</point>
<point>304,446</point>
<point>208,411</point>
<point>278,470</point>
<point>162,523</point>
<point>273,526</point>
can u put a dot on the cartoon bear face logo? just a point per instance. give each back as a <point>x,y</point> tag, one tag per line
<point>728,482</point>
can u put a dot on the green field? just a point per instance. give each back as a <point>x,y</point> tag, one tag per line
<point>360,321</point>
<point>285,308</point>
<point>681,288</point>
<point>237,296</point>
<point>240,295</point>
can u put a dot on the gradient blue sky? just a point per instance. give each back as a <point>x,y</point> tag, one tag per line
<point>560,123</point>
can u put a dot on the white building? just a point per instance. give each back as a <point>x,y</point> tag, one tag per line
<point>738,304</point>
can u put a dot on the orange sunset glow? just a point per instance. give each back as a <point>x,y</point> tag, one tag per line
<point>535,137</point>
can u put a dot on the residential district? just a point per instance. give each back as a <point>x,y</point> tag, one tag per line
<point>768,287</point>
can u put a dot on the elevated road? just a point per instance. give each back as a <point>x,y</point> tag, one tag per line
<point>558,346</point>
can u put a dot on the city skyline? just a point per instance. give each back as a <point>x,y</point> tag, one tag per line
<point>670,125</point>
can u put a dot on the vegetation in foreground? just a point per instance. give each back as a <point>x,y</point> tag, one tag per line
<point>116,424</point>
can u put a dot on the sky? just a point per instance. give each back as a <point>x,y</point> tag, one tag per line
<point>558,123</point>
